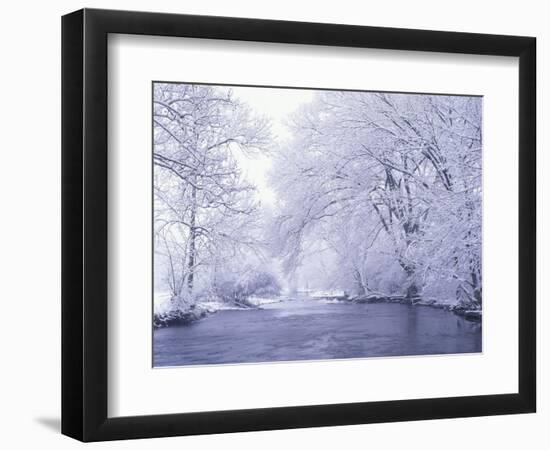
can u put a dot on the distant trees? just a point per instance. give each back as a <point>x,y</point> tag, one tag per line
<point>386,180</point>
<point>205,213</point>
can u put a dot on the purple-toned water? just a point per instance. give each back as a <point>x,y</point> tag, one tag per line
<point>313,330</point>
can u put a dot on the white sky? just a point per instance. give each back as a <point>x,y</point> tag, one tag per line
<point>276,104</point>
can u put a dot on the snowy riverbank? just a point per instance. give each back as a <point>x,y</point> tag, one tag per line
<point>168,311</point>
<point>467,311</point>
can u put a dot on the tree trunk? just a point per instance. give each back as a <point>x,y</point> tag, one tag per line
<point>413,291</point>
<point>476,282</point>
<point>360,286</point>
<point>192,238</point>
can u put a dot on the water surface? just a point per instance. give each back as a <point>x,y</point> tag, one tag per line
<point>313,330</point>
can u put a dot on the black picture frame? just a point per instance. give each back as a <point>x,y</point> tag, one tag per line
<point>84,224</point>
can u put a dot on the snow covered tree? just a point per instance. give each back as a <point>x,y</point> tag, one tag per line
<point>204,209</point>
<point>402,169</point>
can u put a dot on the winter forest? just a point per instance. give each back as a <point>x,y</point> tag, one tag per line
<point>276,204</point>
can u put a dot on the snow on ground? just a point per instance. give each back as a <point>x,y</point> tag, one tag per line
<point>258,301</point>
<point>213,305</point>
<point>161,302</point>
<point>327,294</point>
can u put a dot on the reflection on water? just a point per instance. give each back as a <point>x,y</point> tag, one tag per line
<point>312,330</point>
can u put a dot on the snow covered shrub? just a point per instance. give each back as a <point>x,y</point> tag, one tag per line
<point>239,288</point>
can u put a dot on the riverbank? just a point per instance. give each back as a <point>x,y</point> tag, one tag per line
<point>178,317</point>
<point>186,314</point>
<point>465,311</point>
<point>168,312</point>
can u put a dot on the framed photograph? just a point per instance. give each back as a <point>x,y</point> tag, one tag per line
<point>273,224</point>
